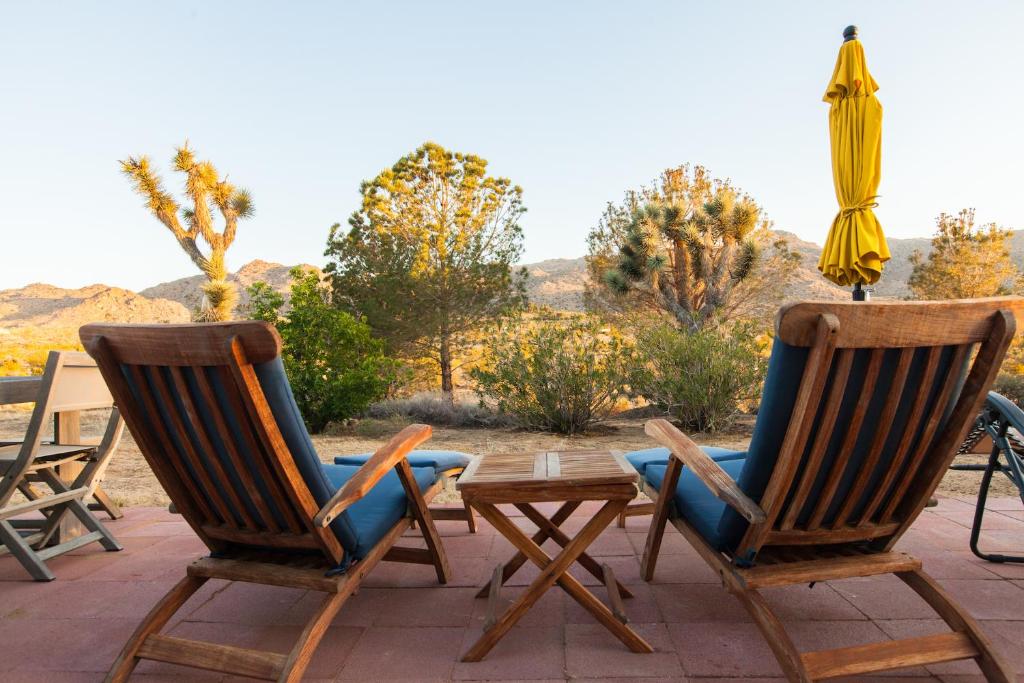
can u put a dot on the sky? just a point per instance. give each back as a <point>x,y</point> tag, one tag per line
<point>577,102</point>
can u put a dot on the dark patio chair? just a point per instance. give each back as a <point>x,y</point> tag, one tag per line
<point>212,412</point>
<point>998,417</point>
<point>862,411</point>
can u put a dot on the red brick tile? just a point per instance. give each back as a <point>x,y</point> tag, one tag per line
<point>386,653</point>
<point>722,649</point>
<point>592,651</point>
<point>439,606</point>
<point>246,603</point>
<point>549,610</point>
<point>642,608</point>
<point>535,652</point>
<point>988,599</point>
<point>692,602</point>
<point>952,564</point>
<point>883,597</point>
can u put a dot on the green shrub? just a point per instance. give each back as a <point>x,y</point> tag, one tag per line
<point>335,367</point>
<point>433,409</point>
<point>699,378</point>
<point>556,376</point>
<point>1011,386</point>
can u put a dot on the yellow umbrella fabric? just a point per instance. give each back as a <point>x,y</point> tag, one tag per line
<point>856,248</point>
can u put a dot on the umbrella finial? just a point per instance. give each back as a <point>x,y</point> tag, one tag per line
<point>849,33</point>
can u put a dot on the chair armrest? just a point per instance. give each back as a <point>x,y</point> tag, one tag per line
<point>710,472</point>
<point>383,460</point>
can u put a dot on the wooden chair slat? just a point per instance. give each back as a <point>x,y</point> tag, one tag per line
<point>852,434</point>
<point>209,491</point>
<point>260,456</point>
<point>821,439</point>
<point>163,444</point>
<point>881,435</point>
<point>924,445</point>
<point>917,413</point>
<point>812,385</point>
<point>241,468</point>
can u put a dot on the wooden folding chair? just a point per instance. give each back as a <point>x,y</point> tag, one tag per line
<point>211,409</point>
<point>70,383</point>
<point>862,411</point>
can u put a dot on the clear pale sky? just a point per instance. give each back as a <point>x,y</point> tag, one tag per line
<point>576,102</point>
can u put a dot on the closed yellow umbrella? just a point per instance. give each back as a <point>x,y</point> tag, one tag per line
<point>855,249</point>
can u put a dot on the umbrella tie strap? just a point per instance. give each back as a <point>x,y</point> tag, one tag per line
<point>868,203</point>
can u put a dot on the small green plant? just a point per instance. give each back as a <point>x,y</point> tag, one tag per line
<point>700,378</point>
<point>1011,386</point>
<point>556,376</point>
<point>335,367</point>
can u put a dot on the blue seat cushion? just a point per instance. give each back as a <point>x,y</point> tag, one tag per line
<point>659,456</point>
<point>696,504</point>
<point>441,461</point>
<point>372,516</point>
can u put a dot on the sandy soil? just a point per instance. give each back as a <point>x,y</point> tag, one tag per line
<point>130,482</point>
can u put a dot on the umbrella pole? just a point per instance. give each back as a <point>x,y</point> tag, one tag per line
<point>859,293</point>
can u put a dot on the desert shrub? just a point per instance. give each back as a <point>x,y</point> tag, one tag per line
<point>699,378</point>
<point>1011,386</point>
<point>335,367</point>
<point>558,376</point>
<point>433,409</point>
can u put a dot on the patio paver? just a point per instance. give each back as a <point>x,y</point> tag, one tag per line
<point>403,626</point>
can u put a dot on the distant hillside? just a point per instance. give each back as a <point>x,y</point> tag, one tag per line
<point>186,290</point>
<point>41,305</point>
<point>558,283</point>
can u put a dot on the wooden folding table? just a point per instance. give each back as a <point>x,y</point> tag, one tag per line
<point>570,477</point>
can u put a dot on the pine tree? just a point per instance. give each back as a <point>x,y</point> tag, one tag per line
<point>965,262</point>
<point>428,258</point>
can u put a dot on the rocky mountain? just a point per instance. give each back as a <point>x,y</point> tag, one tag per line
<point>186,290</point>
<point>41,305</point>
<point>558,283</point>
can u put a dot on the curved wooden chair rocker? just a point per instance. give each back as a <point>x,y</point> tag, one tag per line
<point>212,412</point>
<point>862,411</point>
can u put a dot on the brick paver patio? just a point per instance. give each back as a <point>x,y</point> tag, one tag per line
<point>403,626</point>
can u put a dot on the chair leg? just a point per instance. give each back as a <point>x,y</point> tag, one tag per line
<point>302,652</point>
<point>990,663</point>
<point>979,511</point>
<point>775,633</point>
<point>90,522</point>
<point>421,514</point>
<point>17,546</point>
<point>105,503</point>
<point>154,621</point>
<point>662,507</point>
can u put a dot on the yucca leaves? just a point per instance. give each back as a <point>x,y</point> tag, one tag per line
<point>206,190</point>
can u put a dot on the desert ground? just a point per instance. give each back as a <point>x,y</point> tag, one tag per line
<point>130,482</point>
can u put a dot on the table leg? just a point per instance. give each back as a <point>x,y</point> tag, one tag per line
<point>67,429</point>
<point>553,571</point>
<point>560,537</point>
<point>519,559</point>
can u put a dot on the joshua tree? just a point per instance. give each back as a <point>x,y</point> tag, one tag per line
<point>687,259</point>
<point>206,190</point>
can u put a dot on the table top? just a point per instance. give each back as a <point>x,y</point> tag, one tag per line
<point>561,472</point>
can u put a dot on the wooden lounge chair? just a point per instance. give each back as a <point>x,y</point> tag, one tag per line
<point>862,411</point>
<point>211,409</point>
<point>70,383</point>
